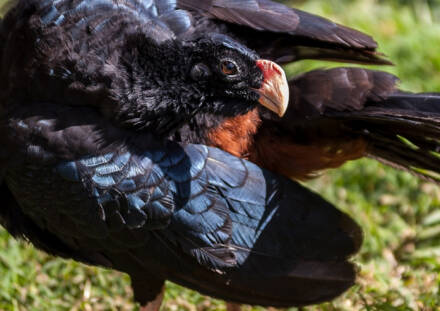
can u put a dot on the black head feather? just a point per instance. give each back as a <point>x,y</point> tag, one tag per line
<point>172,81</point>
<point>139,74</point>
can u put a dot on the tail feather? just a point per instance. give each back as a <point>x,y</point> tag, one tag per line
<point>403,131</point>
<point>342,114</point>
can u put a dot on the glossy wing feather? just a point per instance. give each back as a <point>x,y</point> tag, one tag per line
<point>343,114</point>
<point>284,34</point>
<point>189,213</point>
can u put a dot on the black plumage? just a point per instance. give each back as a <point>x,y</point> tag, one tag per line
<point>103,105</point>
<point>284,34</point>
<point>346,113</point>
<point>111,112</point>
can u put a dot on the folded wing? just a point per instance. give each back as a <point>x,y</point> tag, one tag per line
<point>346,113</point>
<point>284,34</point>
<point>188,213</point>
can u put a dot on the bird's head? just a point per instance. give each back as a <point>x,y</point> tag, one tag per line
<point>173,81</point>
<point>233,74</point>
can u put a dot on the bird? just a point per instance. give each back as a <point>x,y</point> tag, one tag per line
<point>163,139</point>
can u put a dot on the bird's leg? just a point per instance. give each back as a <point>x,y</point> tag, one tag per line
<point>148,292</point>
<point>155,304</point>
<point>230,306</point>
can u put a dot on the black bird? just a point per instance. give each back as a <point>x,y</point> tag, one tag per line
<point>111,112</point>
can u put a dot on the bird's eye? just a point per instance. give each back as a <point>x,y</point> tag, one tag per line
<point>228,67</point>
<point>200,72</point>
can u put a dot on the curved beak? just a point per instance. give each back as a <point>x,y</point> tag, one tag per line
<point>274,92</point>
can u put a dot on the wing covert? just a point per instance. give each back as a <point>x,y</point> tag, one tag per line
<point>211,204</point>
<point>187,211</point>
<point>284,34</point>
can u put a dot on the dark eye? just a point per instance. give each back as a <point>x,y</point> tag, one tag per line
<point>200,72</point>
<point>228,67</point>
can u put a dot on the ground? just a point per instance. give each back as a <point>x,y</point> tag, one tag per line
<point>399,265</point>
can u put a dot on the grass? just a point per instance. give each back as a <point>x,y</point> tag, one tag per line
<point>400,215</point>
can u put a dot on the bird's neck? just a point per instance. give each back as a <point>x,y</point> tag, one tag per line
<point>235,134</point>
<point>232,134</point>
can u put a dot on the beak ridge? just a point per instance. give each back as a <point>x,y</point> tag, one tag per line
<point>274,92</point>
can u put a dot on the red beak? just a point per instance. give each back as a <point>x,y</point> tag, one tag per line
<point>274,93</point>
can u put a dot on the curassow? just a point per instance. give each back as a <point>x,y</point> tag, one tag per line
<point>129,128</point>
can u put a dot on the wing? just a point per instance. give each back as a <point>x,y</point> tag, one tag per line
<point>90,36</point>
<point>189,213</point>
<point>230,218</point>
<point>284,34</point>
<point>346,113</point>
<point>341,89</point>
<point>96,16</point>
